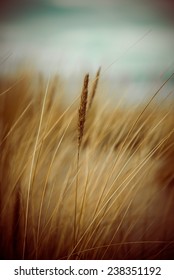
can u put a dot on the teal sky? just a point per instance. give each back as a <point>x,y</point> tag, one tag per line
<point>74,36</point>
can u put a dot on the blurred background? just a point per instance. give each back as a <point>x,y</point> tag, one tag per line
<point>132,40</point>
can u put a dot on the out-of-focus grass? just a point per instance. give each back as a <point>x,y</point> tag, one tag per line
<point>125,176</point>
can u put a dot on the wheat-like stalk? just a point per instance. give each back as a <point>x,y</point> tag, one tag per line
<point>94,88</point>
<point>81,124</point>
<point>82,110</point>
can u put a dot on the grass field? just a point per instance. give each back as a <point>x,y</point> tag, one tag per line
<point>86,180</point>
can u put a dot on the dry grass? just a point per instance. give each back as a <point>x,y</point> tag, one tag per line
<point>116,203</point>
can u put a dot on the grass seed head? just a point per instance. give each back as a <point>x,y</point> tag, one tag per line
<point>94,88</point>
<point>82,109</point>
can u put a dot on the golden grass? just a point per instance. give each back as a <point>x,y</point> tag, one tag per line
<point>114,202</point>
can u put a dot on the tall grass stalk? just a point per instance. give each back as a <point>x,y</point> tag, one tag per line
<point>32,170</point>
<point>81,125</point>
